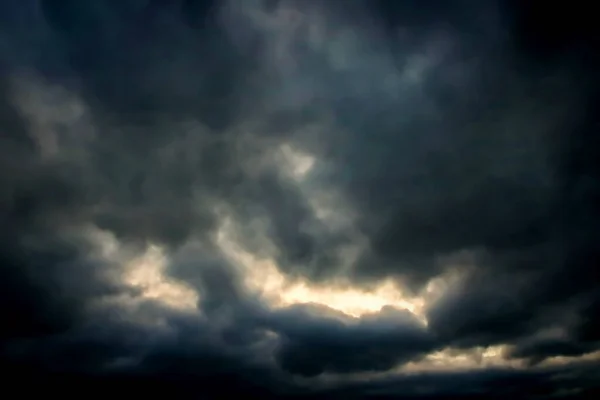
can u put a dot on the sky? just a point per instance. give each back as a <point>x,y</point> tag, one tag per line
<point>336,199</point>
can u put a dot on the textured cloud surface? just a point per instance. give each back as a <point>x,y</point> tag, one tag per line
<point>324,199</point>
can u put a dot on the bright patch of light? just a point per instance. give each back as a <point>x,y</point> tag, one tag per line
<point>564,360</point>
<point>462,359</point>
<point>298,164</point>
<point>144,272</point>
<point>147,273</point>
<point>262,276</point>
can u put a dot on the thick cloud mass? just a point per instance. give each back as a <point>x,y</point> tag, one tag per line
<point>374,343</point>
<point>349,143</point>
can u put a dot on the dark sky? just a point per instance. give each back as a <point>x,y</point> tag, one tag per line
<point>311,199</point>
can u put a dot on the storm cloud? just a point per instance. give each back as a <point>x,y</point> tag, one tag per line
<point>194,196</point>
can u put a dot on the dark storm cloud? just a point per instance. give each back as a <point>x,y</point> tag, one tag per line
<point>447,127</point>
<point>560,382</point>
<point>312,345</point>
<point>48,269</point>
<point>490,161</point>
<point>482,152</point>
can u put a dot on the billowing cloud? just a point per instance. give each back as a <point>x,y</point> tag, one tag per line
<point>340,198</point>
<point>313,345</point>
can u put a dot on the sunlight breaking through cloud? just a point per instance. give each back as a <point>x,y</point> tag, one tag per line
<point>147,273</point>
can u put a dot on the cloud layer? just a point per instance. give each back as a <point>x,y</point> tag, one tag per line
<point>185,186</point>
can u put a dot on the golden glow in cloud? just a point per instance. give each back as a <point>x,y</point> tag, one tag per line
<point>462,359</point>
<point>262,276</point>
<point>147,273</point>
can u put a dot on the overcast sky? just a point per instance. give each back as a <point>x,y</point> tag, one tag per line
<point>320,199</point>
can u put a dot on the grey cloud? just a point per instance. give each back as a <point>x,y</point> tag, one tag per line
<point>312,345</point>
<point>538,351</point>
<point>454,133</point>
